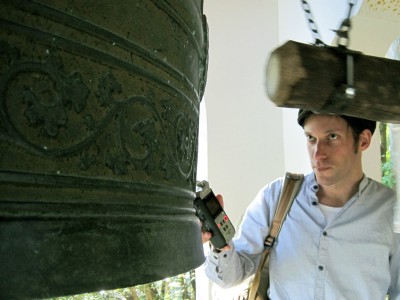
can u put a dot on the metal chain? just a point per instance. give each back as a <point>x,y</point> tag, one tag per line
<point>342,33</point>
<point>311,23</point>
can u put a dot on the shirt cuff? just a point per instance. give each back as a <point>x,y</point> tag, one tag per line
<point>221,257</point>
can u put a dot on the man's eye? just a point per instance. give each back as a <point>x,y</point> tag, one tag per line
<point>333,136</point>
<point>310,138</point>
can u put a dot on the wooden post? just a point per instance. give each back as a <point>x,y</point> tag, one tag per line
<point>312,77</point>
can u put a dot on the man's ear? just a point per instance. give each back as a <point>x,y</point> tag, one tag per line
<point>365,139</point>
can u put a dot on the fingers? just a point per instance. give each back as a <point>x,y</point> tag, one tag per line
<point>226,248</point>
<point>220,199</point>
<point>205,236</point>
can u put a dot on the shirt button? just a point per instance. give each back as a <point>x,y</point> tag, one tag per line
<point>315,187</point>
<point>325,233</point>
<point>321,268</point>
<point>314,203</point>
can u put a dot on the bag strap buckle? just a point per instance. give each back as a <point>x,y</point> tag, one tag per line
<point>269,242</point>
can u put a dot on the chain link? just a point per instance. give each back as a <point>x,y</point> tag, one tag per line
<point>311,23</point>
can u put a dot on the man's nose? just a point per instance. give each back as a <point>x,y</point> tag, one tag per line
<point>320,150</point>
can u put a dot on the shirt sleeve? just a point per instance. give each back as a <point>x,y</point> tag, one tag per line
<point>229,268</point>
<point>394,291</point>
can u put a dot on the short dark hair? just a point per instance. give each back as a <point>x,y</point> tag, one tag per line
<point>357,124</point>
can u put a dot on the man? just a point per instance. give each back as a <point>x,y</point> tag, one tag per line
<point>337,241</point>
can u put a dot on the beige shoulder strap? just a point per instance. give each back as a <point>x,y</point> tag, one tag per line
<point>290,188</point>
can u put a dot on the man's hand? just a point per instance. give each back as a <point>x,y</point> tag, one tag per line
<point>206,235</point>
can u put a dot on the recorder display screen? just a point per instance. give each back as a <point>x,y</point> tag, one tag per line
<point>213,206</point>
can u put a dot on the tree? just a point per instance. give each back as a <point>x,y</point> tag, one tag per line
<point>180,287</point>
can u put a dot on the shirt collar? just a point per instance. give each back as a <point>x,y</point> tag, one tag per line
<point>363,184</point>
<point>313,186</point>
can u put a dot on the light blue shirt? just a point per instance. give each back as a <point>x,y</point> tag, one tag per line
<point>354,256</point>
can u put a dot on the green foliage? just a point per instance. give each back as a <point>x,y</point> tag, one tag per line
<point>180,287</point>
<point>388,177</point>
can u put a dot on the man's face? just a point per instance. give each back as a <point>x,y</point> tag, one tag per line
<point>333,155</point>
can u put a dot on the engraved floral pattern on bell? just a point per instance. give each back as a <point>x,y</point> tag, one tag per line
<point>99,105</point>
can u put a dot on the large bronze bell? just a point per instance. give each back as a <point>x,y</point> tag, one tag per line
<point>98,143</point>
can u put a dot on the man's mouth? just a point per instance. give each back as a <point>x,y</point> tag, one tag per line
<point>321,169</point>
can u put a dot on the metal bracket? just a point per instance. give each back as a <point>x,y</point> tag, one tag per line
<point>350,90</point>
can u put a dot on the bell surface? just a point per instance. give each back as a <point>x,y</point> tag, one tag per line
<point>99,127</point>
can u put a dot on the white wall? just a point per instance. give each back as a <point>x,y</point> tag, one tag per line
<point>245,144</point>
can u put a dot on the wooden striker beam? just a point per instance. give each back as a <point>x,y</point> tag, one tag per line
<point>312,77</point>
